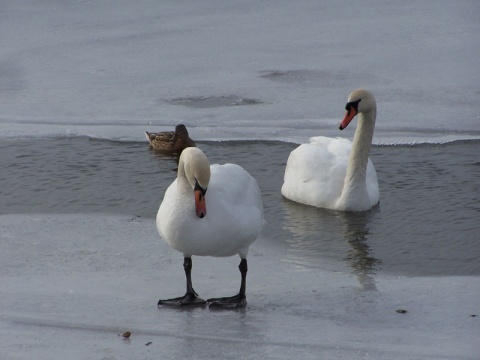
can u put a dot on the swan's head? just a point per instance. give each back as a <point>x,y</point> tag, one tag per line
<point>196,168</point>
<point>359,101</point>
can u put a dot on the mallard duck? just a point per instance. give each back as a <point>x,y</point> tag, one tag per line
<point>170,141</point>
<point>232,223</point>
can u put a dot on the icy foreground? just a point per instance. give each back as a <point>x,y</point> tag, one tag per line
<point>71,283</point>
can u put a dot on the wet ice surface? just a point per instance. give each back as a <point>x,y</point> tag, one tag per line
<point>84,279</point>
<point>320,284</point>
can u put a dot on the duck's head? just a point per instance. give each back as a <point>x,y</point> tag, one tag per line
<point>180,139</point>
<point>180,132</point>
<point>196,168</point>
<point>359,101</point>
<point>180,128</point>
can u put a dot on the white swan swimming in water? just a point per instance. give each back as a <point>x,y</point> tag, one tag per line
<point>335,173</point>
<point>223,221</point>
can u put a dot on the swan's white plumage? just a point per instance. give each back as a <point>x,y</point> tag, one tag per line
<point>316,172</point>
<point>234,216</point>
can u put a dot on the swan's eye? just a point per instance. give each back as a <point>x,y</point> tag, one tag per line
<point>348,107</point>
<point>198,187</point>
<point>352,104</point>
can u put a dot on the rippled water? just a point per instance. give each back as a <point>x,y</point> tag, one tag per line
<point>427,222</point>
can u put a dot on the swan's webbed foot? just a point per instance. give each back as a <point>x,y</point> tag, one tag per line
<point>231,302</point>
<point>189,299</point>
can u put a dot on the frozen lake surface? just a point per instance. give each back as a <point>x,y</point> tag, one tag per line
<point>81,260</point>
<point>83,279</point>
<point>244,70</point>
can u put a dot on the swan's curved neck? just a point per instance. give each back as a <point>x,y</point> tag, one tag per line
<point>357,163</point>
<point>182,178</point>
<point>181,169</point>
<point>192,167</point>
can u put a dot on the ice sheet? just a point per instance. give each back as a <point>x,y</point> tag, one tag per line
<point>71,283</point>
<point>246,70</point>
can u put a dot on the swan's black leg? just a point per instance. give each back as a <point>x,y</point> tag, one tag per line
<point>236,301</point>
<point>191,297</point>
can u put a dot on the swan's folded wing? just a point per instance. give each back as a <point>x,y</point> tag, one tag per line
<point>315,172</point>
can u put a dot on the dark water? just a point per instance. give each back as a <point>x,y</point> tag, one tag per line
<point>427,223</point>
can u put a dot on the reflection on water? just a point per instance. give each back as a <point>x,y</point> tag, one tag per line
<point>318,234</point>
<point>356,230</point>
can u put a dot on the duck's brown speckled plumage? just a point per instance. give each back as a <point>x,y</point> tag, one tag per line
<point>171,141</point>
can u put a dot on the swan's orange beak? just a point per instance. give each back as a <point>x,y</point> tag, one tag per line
<point>349,115</point>
<point>200,203</point>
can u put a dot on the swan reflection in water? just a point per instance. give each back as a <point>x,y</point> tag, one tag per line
<point>356,230</point>
<point>318,240</point>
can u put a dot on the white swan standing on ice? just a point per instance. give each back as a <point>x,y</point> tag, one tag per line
<point>224,221</point>
<point>335,173</point>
